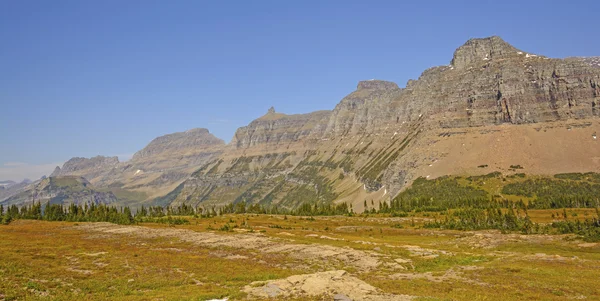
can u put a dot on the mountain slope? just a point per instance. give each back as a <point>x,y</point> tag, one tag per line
<point>153,171</point>
<point>494,106</point>
<point>61,190</point>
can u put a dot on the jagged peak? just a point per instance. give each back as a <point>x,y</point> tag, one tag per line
<point>271,110</point>
<point>478,49</point>
<point>375,84</point>
<point>56,171</point>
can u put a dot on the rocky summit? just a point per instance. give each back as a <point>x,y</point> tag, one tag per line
<point>91,168</point>
<point>491,108</point>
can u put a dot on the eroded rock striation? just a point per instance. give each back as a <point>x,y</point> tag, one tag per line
<point>275,128</point>
<point>493,102</point>
<point>88,168</point>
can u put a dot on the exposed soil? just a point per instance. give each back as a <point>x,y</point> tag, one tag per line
<point>336,284</point>
<point>322,255</point>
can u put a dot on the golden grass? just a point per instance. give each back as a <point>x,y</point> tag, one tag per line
<point>60,261</point>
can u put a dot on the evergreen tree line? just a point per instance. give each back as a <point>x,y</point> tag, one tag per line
<point>73,213</point>
<point>556,193</point>
<point>511,220</point>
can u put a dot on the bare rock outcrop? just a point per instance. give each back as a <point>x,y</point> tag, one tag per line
<point>338,285</point>
<point>88,168</point>
<point>361,109</point>
<point>275,128</point>
<point>193,139</point>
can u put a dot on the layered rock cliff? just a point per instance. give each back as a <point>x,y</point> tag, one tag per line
<point>88,168</point>
<point>363,108</point>
<point>491,82</point>
<point>275,128</point>
<point>493,105</point>
<point>380,137</point>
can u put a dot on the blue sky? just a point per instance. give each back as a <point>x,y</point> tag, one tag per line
<point>83,78</point>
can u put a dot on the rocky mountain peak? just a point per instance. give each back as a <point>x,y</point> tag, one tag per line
<point>56,171</point>
<point>482,49</point>
<point>191,139</point>
<point>88,168</point>
<point>271,110</point>
<point>375,84</point>
<point>78,163</point>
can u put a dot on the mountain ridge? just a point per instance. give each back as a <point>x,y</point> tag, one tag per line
<point>380,137</point>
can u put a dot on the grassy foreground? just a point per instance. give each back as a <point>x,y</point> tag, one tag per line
<point>74,261</point>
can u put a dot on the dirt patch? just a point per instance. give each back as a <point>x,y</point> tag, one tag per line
<point>94,254</point>
<point>80,271</point>
<point>453,274</point>
<point>336,284</point>
<point>492,239</point>
<point>329,256</point>
<point>546,257</point>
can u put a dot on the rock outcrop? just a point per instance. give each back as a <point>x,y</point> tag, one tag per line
<point>191,140</point>
<point>276,128</point>
<point>476,50</point>
<point>91,168</point>
<point>361,109</point>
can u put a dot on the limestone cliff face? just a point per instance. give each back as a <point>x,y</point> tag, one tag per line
<point>177,150</point>
<point>361,109</point>
<point>380,137</point>
<point>376,139</point>
<point>276,128</point>
<point>592,61</point>
<point>475,50</point>
<point>491,82</point>
<point>91,168</point>
<point>190,140</point>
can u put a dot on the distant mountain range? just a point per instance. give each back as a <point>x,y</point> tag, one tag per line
<point>491,108</point>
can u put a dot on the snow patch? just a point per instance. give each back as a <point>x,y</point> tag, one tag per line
<point>137,172</point>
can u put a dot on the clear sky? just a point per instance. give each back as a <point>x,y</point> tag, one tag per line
<point>86,78</point>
